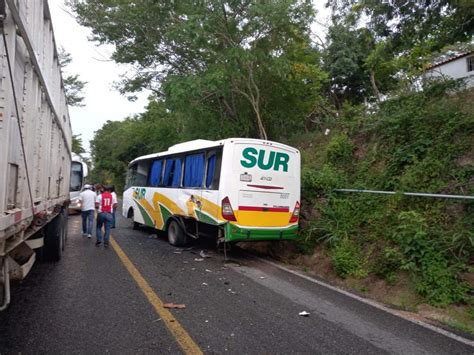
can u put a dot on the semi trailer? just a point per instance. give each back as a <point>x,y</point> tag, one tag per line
<point>35,142</point>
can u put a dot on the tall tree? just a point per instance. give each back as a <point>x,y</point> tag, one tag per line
<point>228,57</point>
<point>77,144</point>
<point>73,86</point>
<point>375,44</point>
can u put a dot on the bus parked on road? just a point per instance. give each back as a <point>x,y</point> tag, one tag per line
<point>79,172</point>
<point>237,189</point>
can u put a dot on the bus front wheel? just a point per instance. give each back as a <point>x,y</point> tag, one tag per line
<point>176,234</point>
<point>135,225</point>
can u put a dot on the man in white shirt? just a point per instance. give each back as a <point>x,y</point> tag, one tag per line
<point>87,197</point>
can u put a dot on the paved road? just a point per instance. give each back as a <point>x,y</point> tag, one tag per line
<point>90,303</point>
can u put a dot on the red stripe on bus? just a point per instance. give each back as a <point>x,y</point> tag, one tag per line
<point>264,209</point>
<point>266,187</point>
<point>17,217</point>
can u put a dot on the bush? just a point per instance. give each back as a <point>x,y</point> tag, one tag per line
<point>339,150</point>
<point>388,264</point>
<point>348,259</point>
<point>434,278</point>
<point>317,182</point>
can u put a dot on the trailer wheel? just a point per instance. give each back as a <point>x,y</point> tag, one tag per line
<point>176,234</point>
<point>65,220</point>
<point>53,239</point>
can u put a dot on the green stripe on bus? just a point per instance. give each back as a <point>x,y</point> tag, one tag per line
<point>238,234</point>
<point>146,217</point>
<point>202,217</point>
<point>166,214</point>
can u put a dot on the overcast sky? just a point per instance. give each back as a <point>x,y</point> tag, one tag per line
<point>102,101</point>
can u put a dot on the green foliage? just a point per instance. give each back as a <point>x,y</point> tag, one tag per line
<point>239,67</point>
<point>348,259</point>
<point>77,144</point>
<point>73,86</point>
<point>119,142</point>
<point>434,278</point>
<point>339,150</point>
<point>316,182</point>
<point>387,265</point>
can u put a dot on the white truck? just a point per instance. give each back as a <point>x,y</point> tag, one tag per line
<point>35,142</point>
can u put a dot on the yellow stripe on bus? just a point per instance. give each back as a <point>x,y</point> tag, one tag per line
<point>262,219</point>
<point>183,339</point>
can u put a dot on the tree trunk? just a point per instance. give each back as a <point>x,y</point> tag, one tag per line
<point>374,85</point>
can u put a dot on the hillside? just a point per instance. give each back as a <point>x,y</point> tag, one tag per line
<point>403,250</point>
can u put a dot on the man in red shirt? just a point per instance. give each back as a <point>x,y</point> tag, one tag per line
<point>105,202</point>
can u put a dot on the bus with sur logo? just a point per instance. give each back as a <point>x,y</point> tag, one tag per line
<point>235,189</point>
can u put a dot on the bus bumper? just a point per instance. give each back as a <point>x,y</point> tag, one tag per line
<point>235,233</point>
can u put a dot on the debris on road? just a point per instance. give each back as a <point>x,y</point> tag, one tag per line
<point>304,314</point>
<point>207,270</point>
<point>203,254</point>
<point>198,259</point>
<point>262,277</point>
<point>152,236</point>
<point>205,284</point>
<point>173,305</point>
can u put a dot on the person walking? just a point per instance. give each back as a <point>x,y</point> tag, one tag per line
<point>114,195</point>
<point>105,202</point>
<point>87,197</point>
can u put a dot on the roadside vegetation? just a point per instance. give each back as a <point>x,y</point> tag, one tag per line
<point>354,103</point>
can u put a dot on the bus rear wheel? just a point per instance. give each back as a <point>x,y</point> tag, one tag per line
<point>176,234</point>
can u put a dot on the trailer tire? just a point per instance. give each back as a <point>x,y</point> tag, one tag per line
<point>65,222</point>
<point>176,234</point>
<point>53,239</point>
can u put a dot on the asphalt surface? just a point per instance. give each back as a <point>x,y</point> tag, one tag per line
<point>89,303</point>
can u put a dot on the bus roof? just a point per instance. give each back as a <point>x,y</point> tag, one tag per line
<point>199,144</point>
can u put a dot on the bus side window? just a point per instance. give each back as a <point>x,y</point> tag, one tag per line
<point>169,170</point>
<point>155,173</point>
<point>194,170</point>
<point>176,182</point>
<point>211,169</point>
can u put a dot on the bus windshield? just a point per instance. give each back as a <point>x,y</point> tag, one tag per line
<point>76,176</point>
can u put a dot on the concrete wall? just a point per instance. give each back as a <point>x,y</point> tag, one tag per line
<point>455,69</point>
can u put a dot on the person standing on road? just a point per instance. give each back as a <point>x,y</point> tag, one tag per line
<point>87,197</point>
<point>114,195</point>
<point>105,202</point>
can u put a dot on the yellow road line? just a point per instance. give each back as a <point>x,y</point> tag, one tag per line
<point>182,337</point>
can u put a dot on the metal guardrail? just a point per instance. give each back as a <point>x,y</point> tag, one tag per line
<point>419,194</point>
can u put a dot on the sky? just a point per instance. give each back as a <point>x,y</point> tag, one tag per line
<point>102,102</point>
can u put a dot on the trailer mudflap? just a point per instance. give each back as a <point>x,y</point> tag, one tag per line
<point>20,260</point>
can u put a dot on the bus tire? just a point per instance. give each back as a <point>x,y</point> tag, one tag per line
<point>135,225</point>
<point>176,234</point>
<point>53,239</point>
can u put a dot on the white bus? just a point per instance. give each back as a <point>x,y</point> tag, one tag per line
<point>78,175</point>
<point>236,189</point>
